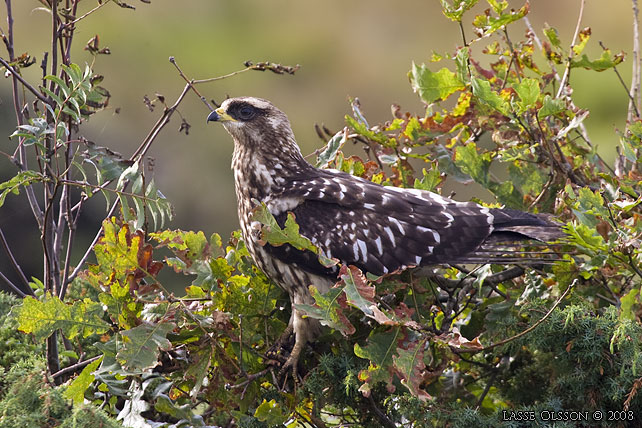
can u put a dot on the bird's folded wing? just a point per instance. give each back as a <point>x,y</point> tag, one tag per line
<point>378,229</point>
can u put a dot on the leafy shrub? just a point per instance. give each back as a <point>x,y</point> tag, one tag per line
<point>450,346</point>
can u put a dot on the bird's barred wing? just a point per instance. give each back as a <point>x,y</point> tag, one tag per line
<point>379,229</point>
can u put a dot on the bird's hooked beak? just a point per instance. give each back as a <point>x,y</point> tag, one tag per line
<point>219,115</point>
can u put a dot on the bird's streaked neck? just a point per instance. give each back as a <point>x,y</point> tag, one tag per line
<point>262,167</point>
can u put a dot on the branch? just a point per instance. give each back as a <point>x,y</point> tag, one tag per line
<point>13,261</point>
<point>76,271</point>
<point>22,153</point>
<point>567,71</point>
<point>490,280</point>
<point>75,367</point>
<point>13,286</point>
<point>162,121</point>
<point>26,84</point>
<point>529,329</point>
<point>635,78</point>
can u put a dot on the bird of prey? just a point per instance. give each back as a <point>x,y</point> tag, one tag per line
<point>379,229</point>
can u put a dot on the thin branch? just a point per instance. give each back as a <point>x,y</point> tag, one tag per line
<point>80,264</point>
<point>225,76</point>
<point>26,84</point>
<point>14,262</point>
<point>490,382</point>
<point>381,416</point>
<point>75,367</point>
<point>162,121</point>
<point>22,153</point>
<point>629,92</point>
<point>635,78</point>
<point>13,286</point>
<point>190,82</point>
<point>529,329</point>
<point>567,71</point>
<point>80,18</point>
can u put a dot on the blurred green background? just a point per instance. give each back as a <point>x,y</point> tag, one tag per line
<point>346,49</point>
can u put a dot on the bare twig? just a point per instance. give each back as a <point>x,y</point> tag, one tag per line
<point>162,121</point>
<point>629,92</point>
<point>13,286</point>
<point>635,92</point>
<point>14,262</point>
<point>381,416</point>
<point>17,106</point>
<point>75,367</point>
<point>529,329</point>
<point>26,84</point>
<point>190,82</point>
<point>567,71</point>
<point>490,382</point>
<point>80,18</point>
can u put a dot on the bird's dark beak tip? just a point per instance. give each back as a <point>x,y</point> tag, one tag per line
<point>213,117</point>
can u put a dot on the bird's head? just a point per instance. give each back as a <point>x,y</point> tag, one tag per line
<point>253,122</point>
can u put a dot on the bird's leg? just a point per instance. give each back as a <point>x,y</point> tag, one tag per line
<point>305,329</point>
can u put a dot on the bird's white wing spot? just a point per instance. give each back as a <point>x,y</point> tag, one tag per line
<point>450,218</point>
<point>435,234</point>
<point>362,249</point>
<point>396,223</point>
<point>379,246</point>
<point>391,236</point>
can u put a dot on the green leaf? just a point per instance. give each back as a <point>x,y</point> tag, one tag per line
<point>436,86</point>
<point>199,369</point>
<point>602,63</point>
<point>76,390</point>
<point>627,303</point>
<point>482,90</point>
<point>329,153</point>
<point>22,179</point>
<point>108,163</point>
<point>271,232</point>
<point>455,10</point>
<point>551,107</point>
<point>271,413</point>
<point>474,164</point>
<point>431,179</point>
<point>182,413</point>
<point>552,36</point>
<point>379,351</point>
<point>329,309</point>
<point>583,36</point>
<point>141,345</point>
<point>489,24</point>
<point>66,90</point>
<point>528,92</point>
<point>44,317</point>
<point>462,62</point>
<point>586,238</point>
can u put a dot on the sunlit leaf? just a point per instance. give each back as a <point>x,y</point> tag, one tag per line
<point>76,390</point>
<point>142,344</point>
<point>434,86</point>
<point>42,318</point>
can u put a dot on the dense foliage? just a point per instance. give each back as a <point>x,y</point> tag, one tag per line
<point>451,346</point>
